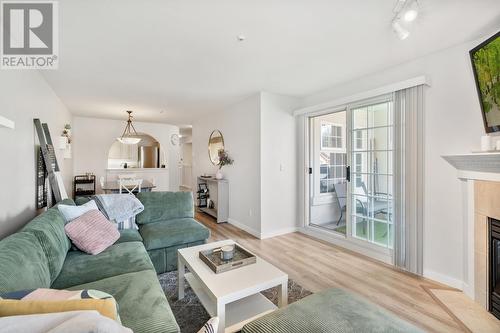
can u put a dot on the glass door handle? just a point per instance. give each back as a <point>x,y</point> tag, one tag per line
<point>348,173</point>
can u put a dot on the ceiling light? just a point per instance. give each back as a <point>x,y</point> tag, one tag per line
<point>399,30</point>
<point>411,13</point>
<point>241,38</point>
<point>128,137</point>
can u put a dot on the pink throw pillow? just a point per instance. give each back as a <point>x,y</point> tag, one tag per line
<point>92,232</point>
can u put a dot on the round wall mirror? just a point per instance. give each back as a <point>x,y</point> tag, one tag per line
<point>215,143</point>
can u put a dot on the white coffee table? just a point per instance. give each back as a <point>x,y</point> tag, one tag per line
<point>233,296</point>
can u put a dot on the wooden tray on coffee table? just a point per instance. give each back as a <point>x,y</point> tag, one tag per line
<point>213,259</point>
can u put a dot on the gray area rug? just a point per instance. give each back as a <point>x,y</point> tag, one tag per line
<point>191,315</point>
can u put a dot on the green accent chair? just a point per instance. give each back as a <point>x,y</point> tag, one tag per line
<point>40,256</point>
<point>331,311</point>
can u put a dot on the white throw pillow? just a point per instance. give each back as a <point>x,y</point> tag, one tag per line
<point>211,326</point>
<point>72,212</point>
<point>62,322</point>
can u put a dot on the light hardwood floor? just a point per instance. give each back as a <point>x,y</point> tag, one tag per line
<point>317,265</point>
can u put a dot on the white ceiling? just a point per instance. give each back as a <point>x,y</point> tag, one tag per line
<point>171,61</point>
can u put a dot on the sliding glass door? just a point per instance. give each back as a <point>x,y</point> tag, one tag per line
<point>351,173</point>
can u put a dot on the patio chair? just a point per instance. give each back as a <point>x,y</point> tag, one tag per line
<point>341,193</point>
<point>378,206</point>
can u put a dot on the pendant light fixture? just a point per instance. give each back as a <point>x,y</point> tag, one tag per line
<point>128,137</point>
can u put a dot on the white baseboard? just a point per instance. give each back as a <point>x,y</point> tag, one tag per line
<point>278,232</point>
<point>244,227</point>
<point>334,239</point>
<point>444,279</point>
<point>468,290</point>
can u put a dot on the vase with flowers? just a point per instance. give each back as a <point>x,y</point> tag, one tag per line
<point>224,159</point>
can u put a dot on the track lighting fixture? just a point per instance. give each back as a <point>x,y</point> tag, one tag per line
<point>405,11</point>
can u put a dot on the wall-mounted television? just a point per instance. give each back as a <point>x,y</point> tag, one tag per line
<point>486,66</point>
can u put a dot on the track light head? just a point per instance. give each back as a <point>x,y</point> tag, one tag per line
<point>411,12</point>
<point>401,32</point>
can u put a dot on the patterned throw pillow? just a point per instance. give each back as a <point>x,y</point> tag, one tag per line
<point>211,326</point>
<point>72,212</point>
<point>44,300</point>
<point>92,232</point>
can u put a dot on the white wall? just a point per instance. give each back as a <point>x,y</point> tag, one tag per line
<point>278,165</point>
<point>93,137</point>
<point>187,153</point>
<point>260,135</point>
<point>187,161</point>
<point>453,124</point>
<point>25,95</point>
<point>240,126</point>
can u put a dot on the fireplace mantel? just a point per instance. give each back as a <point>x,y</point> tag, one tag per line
<point>476,166</point>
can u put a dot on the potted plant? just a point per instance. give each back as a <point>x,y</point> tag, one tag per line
<point>67,132</point>
<point>224,159</point>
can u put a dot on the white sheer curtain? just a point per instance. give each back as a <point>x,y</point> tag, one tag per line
<point>408,178</point>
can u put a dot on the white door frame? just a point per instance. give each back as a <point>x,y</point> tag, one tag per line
<point>366,248</point>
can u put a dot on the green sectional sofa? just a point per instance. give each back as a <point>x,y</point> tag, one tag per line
<point>40,256</point>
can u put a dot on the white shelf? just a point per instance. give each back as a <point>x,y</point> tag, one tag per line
<point>239,312</point>
<point>4,122</point>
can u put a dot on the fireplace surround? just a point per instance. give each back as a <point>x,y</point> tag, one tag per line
<point>480,185</point>
<point>494,267</point>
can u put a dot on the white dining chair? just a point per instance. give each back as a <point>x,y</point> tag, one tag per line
<point>130,185</point>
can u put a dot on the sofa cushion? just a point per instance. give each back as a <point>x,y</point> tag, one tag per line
<point>122,258</point>
<point>161,206</point>
<point>165,259</point>
<point>172,232</point>
<point>66,201</point>
<point>23,264</point>
<point>142,304</point>
<point>82,200</point>
<point>129,235</point>
<point>48,228</point>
